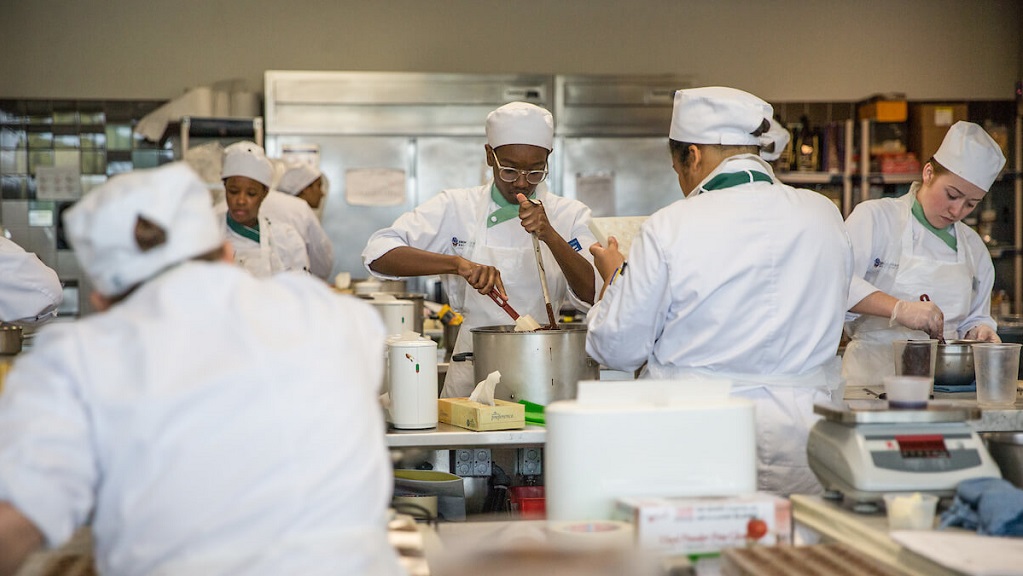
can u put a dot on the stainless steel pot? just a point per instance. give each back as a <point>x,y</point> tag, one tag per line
<point>954,364</point>
<point>10,339</point>
<point>540,367</point>
<point>1006,449</point>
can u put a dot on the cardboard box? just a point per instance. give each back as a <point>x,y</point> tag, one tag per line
<point>465,413</point>
<point>883,110</point>
<point>699,526</point>
<point>928,125</point>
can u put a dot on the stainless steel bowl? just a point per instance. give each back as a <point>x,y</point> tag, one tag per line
<point>954,364</point>
<point>1006,449</point>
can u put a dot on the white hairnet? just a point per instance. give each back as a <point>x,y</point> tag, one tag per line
<point>247,159</point>
<point>520,123</point>
<point>296,177</point>
<point>718,115</point>
<point>969,152</point>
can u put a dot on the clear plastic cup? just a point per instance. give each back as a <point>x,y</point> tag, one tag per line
<point>916,358</point>
<point>907,392</point>
<point>910,511</point>
<point>997,366</point>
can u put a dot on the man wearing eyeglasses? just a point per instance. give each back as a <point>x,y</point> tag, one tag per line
<point>478,238</point>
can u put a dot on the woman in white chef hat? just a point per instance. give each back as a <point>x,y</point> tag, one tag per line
<point>283,205</point>
<point>479,238</point>
<point>263,244</point>
<point>303,181</point>
<point>919,271</point>
<point>161,421</point>
<point>745,280</point>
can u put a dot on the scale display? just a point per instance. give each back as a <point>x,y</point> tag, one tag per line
<point>922,446</point>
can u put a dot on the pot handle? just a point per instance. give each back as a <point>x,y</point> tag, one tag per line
<point>462,357</point>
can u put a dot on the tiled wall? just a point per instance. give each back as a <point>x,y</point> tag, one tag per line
<point>90,138</point>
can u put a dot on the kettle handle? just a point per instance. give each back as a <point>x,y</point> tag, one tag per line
<point>462,357</point>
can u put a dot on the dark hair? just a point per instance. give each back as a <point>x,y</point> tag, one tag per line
<point>149,234</point>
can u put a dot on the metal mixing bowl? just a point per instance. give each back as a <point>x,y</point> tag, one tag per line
<point>954,364</point>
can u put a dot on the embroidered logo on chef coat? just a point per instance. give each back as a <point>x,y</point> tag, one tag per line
<point>574,243</point>
<point>457,244</point>
<point>878,263</point>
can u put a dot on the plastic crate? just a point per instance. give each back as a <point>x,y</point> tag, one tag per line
<point>529,502</point>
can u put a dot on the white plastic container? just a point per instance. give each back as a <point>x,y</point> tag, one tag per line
<point>412,381</point>
<point>397,315</point>
<point>910,511</point>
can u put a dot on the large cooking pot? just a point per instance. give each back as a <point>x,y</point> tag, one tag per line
<point>541,366</point>
<point>954,364</point>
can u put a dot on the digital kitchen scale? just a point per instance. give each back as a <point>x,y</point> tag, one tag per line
<point>864,452</point>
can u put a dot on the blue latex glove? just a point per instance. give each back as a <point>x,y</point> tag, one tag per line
<point>990,506</point>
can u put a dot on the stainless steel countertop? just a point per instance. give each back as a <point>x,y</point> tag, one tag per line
<point>446,436</point>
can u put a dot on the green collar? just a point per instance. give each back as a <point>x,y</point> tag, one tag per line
<point>944,234</point>
<point>505,211</point>
<point>250,232</point>
<point>729,179</point>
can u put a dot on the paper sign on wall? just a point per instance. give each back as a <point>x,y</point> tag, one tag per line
<point>375,187</point>
<point>58,183</point>
<point>301,154</point>
<point>597,191</point>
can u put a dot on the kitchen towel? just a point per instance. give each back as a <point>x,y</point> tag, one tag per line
<point>990,506</point>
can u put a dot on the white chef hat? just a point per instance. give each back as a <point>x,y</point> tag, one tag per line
<point>969,152</point>
<point>101,226</point>
<point>520,123</point>
<point>297,176</point>
<point>718,115</point>
<point>247,159</point>
<point>777,136</point>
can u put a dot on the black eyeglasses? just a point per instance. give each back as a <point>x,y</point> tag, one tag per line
<point>510,175</point>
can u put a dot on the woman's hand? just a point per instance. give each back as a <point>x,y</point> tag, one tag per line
<point>607,260</point>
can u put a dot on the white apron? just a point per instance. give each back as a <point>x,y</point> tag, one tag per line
<point>783,413</point>
<point>521,283</point>
<point>869,356</point>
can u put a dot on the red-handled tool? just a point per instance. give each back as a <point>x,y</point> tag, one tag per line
<point>496,297</point>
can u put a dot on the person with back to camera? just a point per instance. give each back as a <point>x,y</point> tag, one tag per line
<point>478,238</point>
<point>919,271</point>
<point>30,291</point>
<point>745,279</point>
<point>203,421</point>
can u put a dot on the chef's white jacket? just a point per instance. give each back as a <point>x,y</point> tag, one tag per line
<point>748,283</point>
<point>280,248</point>
<point>211,423</point>
<point>29,290</point>
<point>454,223</point>
<point>296,212</point>
<point>874,228</point>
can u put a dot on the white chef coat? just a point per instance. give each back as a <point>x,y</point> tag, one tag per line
<point>455,222</point>
<point>748,283</point>
<point>29,291</point>
<point>896,254</point>
<point>212,423</point>
<point>278,206</point>
<point>280,246</point>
